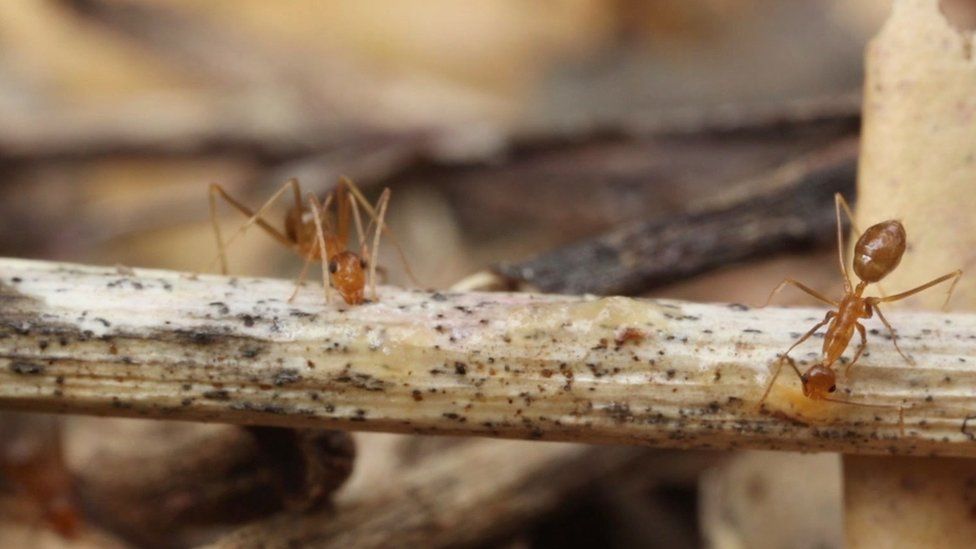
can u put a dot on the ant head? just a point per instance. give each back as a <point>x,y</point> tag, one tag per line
<point>348,271</point>
<point>818,382</point>
<point>879,250</point>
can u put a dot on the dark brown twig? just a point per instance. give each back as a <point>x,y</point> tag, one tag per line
<point>791,208</point>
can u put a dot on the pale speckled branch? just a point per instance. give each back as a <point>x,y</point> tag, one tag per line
<point>162,344</point>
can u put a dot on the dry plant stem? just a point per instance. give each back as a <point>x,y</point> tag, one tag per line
<point>791,207</point>
<point>162,344</point>
<point>917,165</point>
<point>481,491</point>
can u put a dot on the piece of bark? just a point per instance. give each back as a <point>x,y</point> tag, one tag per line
<point>918,166</point>
<point>791,208</point>
<point>168,488</point>
<point>145,343</point>
<point>476,493</point>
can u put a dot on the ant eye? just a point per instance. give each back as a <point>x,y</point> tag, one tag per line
<point>832,389</point>
<point>362,263</point>
<point>333,266</point>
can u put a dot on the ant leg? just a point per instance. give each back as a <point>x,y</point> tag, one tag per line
<point>901,409</point>
<point>894,336</point>
<point>354,190</point>
<point>838,200</point>
<point>221,250</point>
<point>801,287</point>
<point>786,356</point>
<point>772,381</point>
<point>383,202</point>
<point>779,368</point>
<point>253,217</point>
<point>817,326</point>
<point>953,275</point>
<point>320,240</point>
<point>301,278</point>
<point>860,348</point>
<point>258,217</point>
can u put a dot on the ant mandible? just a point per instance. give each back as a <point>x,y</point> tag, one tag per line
<point>314,232</point>
<point>876,254</point>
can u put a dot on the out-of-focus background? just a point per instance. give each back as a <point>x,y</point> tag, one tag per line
<point>506,129</point>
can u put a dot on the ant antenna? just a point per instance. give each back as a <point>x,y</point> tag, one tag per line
<point>358,221</point>
<point>354,190</point>
<point>383,201</point>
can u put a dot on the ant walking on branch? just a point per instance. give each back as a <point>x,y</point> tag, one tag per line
<point>877,253</point>
<point>318,231</point>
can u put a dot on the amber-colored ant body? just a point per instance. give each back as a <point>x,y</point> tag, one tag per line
<point>316,233</point>
<point>876,254</point>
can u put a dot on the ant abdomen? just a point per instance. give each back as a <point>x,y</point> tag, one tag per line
<point>879,250</point>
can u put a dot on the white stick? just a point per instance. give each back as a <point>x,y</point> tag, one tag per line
<point>162,344</point>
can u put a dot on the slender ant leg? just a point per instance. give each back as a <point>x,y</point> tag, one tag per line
<point>949,276</point>
<point>838,200</point>
<point>317,210</point>
<point>802,287</point>
<point>253,218</point>
<point>860,348</point>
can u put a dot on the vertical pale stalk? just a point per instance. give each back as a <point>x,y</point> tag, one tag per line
<point>918,164</point>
